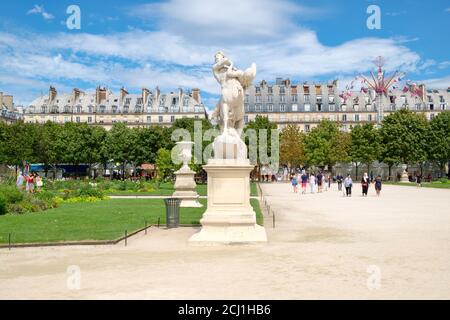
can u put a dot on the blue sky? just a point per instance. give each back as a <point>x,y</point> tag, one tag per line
<point>171,44</point>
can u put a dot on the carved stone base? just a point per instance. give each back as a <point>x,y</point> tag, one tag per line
<point>229,218</point>
<point>185,187</point>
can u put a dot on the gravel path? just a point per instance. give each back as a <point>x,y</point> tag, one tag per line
<point>323,246</point>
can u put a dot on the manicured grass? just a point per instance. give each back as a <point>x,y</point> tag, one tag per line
<point>437,184</point>
<point>257,208</point>
<point>167,189</point>
<point>101,220</point>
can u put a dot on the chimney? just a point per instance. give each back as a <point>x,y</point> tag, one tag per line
<point>123,94</point>
<point>100,94</point>
<point>145,95</point>
<point>76,95</point>
<point>52,93</point>
<point>157,96</point>
<point>196,95</point>
<point>180,97</point>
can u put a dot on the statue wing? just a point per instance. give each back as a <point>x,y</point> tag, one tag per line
<point>248,76</point>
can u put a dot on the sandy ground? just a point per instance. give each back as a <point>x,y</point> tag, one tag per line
<point>323,246</point>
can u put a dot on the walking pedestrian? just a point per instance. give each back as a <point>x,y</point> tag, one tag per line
<point>365,184</point>
<point>419,180</point>
<point>294,183</point>
<point>20,180</point>
<point>378,185</point>
<point>304,179</point>
<point>348,184</point>
<point>30,183</point>
<point>312,182</point>
<point>339,179</point>
<point>319,182</point>
<point>39,183</point>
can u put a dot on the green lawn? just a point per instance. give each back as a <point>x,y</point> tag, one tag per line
<point>436,184</point>
<point>166,189</point>
<point>102,220</point>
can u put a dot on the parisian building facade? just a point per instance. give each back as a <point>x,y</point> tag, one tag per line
<point>104,107</point>
<point>307,104</point>
<point>9,113</point>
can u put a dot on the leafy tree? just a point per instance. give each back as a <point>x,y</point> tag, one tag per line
<point>259,124</point>
<point>365,145</point>
<point>19,139</point>
<point>403,137</point>
<point>326,144</point>
<point>47,147</point>
<point>438,140</point>
<point>292,150</point>
<point>119,143</point>
<point>164,164</point>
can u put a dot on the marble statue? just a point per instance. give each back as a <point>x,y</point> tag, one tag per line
<point>229,112</point>
<point>229,217</point>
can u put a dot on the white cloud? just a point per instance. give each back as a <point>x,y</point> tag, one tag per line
<point>41,11</point>
<point>438,83</point>
<point>179,52</point>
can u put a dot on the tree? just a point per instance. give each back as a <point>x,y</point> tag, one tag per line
<point>19,141</point>
<point>258,126</point>
<point>438,140</point>
<point>119,142</point>
<point>403,137</point>
<point>292,150</point>
<point>326,145</point>
<point>164,164</point>
<point>47,147</point>
<point>365,145</point>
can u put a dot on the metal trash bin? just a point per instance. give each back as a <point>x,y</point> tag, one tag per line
<point>172,212</point>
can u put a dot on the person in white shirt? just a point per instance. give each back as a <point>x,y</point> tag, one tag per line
<point>312,182</point>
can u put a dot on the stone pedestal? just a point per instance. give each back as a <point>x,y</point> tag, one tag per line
<point>185,188</point>
<point>404,177</point>
<point>229,218</point>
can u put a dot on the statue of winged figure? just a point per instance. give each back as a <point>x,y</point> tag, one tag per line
<point>229,112</point>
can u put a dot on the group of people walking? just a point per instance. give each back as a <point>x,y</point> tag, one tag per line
<point>31,182</point>
<point>323,182</point>
<point>319,182</point>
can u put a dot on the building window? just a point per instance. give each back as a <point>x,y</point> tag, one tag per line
<point>442,106</point>
<point>269,90</point>
<point>307,107</point>
<point>149,119</point>
<point>319,107</point>
<point>331,99</point>
<point>307,98</point>
<point>54,119</point>
<point>282,90</point>
<point>258,89</point>
<point>307,127</point>
<point>127,101</point>
<point>102,109</point>
<point>368,107</point>
<point>332,107</point>
<point>344,117</point>
<point>77,119</point>
<point>294,107</point>
<point>282,107</point>
<point>282,98</point>
<point>430,99</point>
<point>356,117</point>
<point>247,107</point>
<point>172,118</point>
<point>125,109</point>
<point>318,99</point>
<point>246,119</point>
<point>66,119</point>
<point>270,98</point>
<point>78,109</point>
<point>89,119</point>
<point>431,116</point>
<point>139,101</point>
<point>431,106</point>
<point>294,98</point>
<point>160,118</point>
<point>258,98</point>
<point>369,117</point>
<point>246,98</point>
<point>257,107</point>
